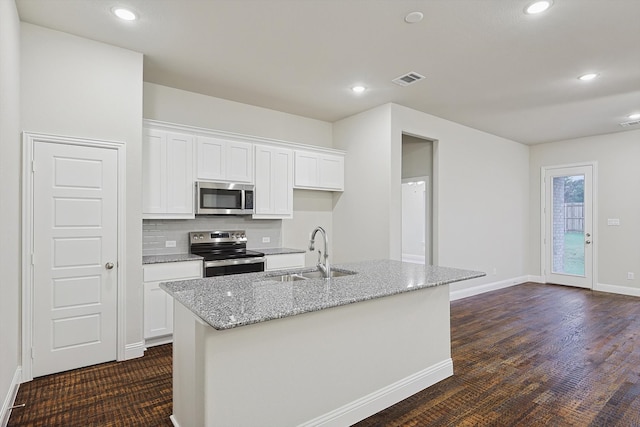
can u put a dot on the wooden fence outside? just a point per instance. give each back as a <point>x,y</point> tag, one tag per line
<point>574,217</point>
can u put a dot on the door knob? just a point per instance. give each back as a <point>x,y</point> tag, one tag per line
<point>108,265</point>
<point>588,242</point>
<point>588,235</point>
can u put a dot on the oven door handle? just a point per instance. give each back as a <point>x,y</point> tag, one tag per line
<point>239,261</point>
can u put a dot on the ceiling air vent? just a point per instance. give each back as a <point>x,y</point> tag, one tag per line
<point>407,79</point>
<point>629,124</point>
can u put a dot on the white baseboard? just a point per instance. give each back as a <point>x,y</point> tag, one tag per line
<point>152,342</point>
<point>387,396</point>
<point>10,398</point>
<point>536,279</point>
<point>487,287</point>
<point>617,289</point>
<point>174,421</point>
<point>135,350</point>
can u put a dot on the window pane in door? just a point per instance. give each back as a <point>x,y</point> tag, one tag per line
<point>568,225</point>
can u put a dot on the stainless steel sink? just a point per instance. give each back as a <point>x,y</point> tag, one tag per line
<point>334,273</point>
<point>287,278</point>
<point>292,277</point>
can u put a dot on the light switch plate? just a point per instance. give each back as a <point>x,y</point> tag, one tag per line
<point>613,221</point>
<point>266,240</point>
<point>170,244</point>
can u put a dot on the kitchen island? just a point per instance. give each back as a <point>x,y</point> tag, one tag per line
<point>254,350</point>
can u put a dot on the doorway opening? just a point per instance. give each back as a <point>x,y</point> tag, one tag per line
<point>417,195</point>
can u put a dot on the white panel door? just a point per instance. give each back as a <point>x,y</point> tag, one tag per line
<point>75,190</point>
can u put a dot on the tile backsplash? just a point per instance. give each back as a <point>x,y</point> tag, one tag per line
<point>156,232</point>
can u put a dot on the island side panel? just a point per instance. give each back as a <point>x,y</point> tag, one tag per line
<point>330,367</point>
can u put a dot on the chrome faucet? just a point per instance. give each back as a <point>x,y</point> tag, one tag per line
<point>326,267</point>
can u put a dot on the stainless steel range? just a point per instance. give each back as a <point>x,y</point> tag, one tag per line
<point>225,252</point>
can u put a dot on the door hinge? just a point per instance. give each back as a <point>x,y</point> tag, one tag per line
<point>33,166</point>
<point>33,354</point>
<point>33,259</point>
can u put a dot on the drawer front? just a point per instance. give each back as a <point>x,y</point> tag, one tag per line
<point>284,261</point>
<point>166,271</point>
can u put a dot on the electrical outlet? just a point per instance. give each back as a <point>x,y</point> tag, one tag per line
<point>630,275</point>
<point>170,244</point>
<point>495,271</point>
<point>266,240</point>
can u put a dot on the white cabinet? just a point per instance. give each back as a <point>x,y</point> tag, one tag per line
<point>158,305</point>
<point>222,160</point>
<point>319,171</point>
<point>284,261</point>
<point>167,175</point>
<point>274,182</point>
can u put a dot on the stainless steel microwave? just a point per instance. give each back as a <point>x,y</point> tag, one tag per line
<point>214,198</point>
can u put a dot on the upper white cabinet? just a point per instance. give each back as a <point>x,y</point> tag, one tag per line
<point>274,182</point>
<point>167,175</point>
<point>319,171</point>
<point>222,160</point>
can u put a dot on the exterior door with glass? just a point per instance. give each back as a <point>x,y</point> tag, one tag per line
<point>568,218</point>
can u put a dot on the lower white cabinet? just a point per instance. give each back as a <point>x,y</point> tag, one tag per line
<point>284,261</point>
<point>158,305</point>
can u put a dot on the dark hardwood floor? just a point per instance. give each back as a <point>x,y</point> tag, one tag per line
<point>530,355</point>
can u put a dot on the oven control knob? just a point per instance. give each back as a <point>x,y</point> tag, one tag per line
<point>243,236</point>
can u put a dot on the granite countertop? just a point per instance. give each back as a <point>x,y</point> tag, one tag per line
<point>280,251</point>
<point>155,259</point>
<point>227,302</point>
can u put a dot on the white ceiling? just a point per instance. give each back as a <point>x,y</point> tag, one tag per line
<point>487,64</point>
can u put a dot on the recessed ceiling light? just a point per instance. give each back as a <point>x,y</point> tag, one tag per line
<point>124,14</point>
<point>634,116</point>
<point>588,76</point>
<point>538,7</point>
<point>358,89</point>
<point>413,17</point>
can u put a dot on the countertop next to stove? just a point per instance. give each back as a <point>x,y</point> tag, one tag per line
<point>279,251</point>
<point>155,259</point>
<point>227,302</point>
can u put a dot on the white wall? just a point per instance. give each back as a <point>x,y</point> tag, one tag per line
<point>618,180</point>
<point>9,204</point>
<point>311,208</point>
<point>361,214</point>
<point>188,108</point>
<point>77,87</point>
<point>417,157</point>
<point>481,203</point>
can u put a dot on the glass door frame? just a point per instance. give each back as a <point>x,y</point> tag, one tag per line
<point>589,169</point>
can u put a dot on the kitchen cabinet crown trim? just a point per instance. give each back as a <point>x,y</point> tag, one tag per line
<point>200,131</point>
